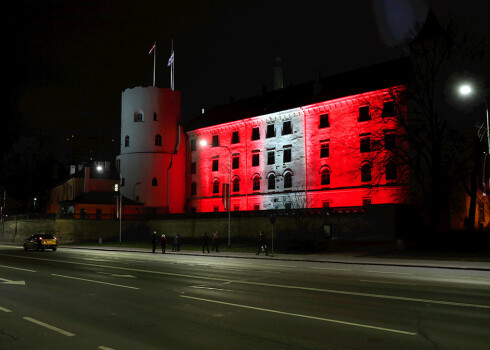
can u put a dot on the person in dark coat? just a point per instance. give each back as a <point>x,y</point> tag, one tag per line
<point>154,240</point>
<point>215,242</point>
<point>262,243</point>
<point>163,243</point>
<point>205,242</point>
<point>179,242</point>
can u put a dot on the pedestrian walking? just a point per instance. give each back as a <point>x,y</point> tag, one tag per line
<point>262,243</point>
<point>215,242</point>
<point>163,243</point>
<point>154,238</point>
<point>179,242</point>
<point>174,243</point>
<point>205,242</point>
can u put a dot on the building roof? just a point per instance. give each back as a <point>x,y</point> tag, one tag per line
<point>102,198</point>
<point>370,78</point>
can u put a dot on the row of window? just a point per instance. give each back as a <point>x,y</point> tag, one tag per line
<point>158,140</point>
<point>325,176</point>
<point>364,115</point>
<point>140,117</point>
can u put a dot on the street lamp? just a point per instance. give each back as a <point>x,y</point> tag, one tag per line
<point>204,143</point>
<point>467,90</point>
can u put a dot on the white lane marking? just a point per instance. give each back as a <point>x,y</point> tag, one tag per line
<point>105,348</point>
<point>302,316</point>
<point>218,289</point>
<point>6,281</point>
<point>279,265</point>
<point>53,328</point>
<point>16,268</point>
<point>115,274</point>
<point>329,268</point>
<point>4,309</point>
<point>386,282</point>
<point>332,291</point>
<point>391,273</point>
<point>93,281</point>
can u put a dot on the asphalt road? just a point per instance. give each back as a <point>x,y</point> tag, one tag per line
<point>85,299</point>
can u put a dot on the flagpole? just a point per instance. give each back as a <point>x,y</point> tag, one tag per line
<point>172,69</point>
<point>154,62</point>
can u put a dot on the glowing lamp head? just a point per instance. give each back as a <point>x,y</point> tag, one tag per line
<point>465,90</point>
<point>99,168</point>
<point>203,143</point>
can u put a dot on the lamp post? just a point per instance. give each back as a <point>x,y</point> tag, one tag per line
<point>466,90</point>
<point>205,143</point>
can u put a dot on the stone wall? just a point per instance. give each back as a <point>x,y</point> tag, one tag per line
<point>376,223</point>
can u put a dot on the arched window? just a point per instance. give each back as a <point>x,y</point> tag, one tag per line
<point>126,141</point>
<point>256,183</point>
<point>390,171</point>
<point>271,182</point>
<point>366,172</point>
<point>154,182</point>
<point>155,116</point>
<point>288,180</point>
<point>236,184</point>
<point>158,140</point>
<point>193,189</point>
<point>325,176</point>
<point>216,186</point>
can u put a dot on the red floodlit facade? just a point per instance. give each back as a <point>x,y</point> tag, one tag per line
<point>334,153</point>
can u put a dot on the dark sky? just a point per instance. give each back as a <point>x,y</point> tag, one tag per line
<point>69,61</point>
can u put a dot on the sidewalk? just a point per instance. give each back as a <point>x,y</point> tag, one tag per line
<point>364,258</point>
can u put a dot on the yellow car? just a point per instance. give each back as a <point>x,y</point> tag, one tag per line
<point>41,241</point>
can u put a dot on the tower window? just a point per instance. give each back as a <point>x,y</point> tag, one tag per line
<point>256,183</point>
<point>158,140</point>
<point>324,150</point>
<point>255,159</point>
<point>365,144</point>
<point>193,167</point>
<point>193,189</point>
<point>215,164</point>
<point>271,157</point>
<point>288,180</point>
<point>325,177</point>
<point>388,109</point>
<point>155,116</point>
<point>215,140</point>
<point>126,141</point>
<point>193,145</point>
<point>271,182</point>
<point>390,171</point>
<point>271,131</point>
<point>390,140</point>
<point>138,117</point>
<point>216,186</point>
<point>366,172</point>
<point>235,162</point>
<point>154,182</point>
<point>236,184</point>
<point>287,155</point>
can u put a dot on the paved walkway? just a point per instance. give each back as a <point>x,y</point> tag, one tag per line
<point>341,258</point>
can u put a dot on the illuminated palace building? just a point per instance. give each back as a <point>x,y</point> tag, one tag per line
<point>305,146</point>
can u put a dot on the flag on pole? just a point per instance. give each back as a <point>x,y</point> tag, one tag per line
<point>171,59</point>
<point>152,48</point>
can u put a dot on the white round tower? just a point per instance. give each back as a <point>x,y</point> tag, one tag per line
<point>152,149</point>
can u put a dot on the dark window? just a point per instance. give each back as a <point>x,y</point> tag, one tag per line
<point>193,144</point>
<point>326,204</point>
<point>364,114</point>
<point>288,180</point>
<point>255,134</point>
<point>236,208</point>
<point>324,121</point>
<point>366,173</point>
<point>390,140</point>
<point>216,209</point>
<point>215,140</point>
<point>256,206</point>
<point>366,201</point>
<point>391,173</point>
<point>235,163</point>
<point>271,131</point>
<point>286,128</point>
<point>215,186</point>
<point>193,189</point>
<point>215,164</point>
<point>155,116</point>
<point>193,210</point>
<point>365,144</point>
<point>256,183</point>
<point>138,117</point>
<point>325,180</point>
<point>122,181</point>
<point>388,109</point>
<point>288,205</point>
<point>271,182</point>
<point>236,185</point>
<point>287,155</point>
<point>126,141</point>
<point>255,159</point>
<point>193,167</point>
<point>325,150</point>
<point>154,182</point>
<point>271,158</point>
<point>235,137</point>
<point>158,140</point>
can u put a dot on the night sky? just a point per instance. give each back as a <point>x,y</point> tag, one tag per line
<point>69,61</point>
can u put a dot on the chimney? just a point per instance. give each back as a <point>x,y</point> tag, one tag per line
<point>86,180</point>
<point>278,76</point>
